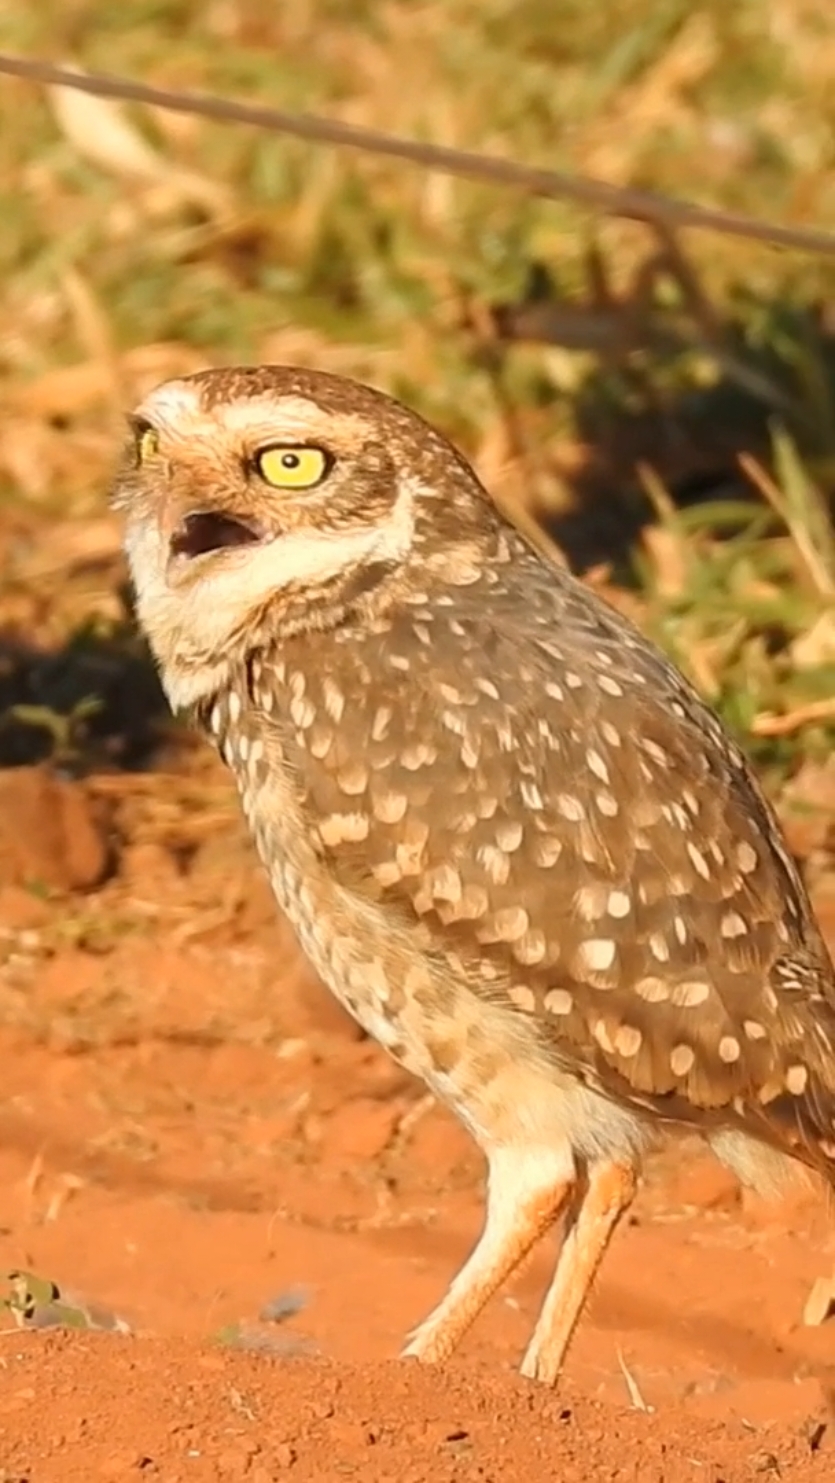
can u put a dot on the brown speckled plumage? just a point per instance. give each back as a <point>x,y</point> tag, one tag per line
<point>510,836</point>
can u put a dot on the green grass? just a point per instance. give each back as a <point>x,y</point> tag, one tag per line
<point>647,387</point>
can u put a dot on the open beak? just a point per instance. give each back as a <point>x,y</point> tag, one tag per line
<point>205,531</point>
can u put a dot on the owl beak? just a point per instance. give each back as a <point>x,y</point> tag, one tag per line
<point>206,531</point>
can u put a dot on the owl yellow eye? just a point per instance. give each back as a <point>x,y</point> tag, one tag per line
<point>292,468</point>
<point>147,444</point>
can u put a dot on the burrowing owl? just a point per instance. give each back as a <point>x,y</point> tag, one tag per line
<point>510,837</point>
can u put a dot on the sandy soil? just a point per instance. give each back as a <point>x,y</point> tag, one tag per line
<point>192,1137</point>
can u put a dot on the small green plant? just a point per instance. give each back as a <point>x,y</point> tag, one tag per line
<point>34,1302</point>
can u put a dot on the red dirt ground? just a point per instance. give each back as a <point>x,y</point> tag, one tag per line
<point>190,1129</point>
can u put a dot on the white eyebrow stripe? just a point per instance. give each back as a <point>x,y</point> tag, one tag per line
<point>169,404</point>
<point>290,418</point>
<point>175,407</point>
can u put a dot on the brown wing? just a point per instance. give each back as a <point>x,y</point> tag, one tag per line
<point>583,842</point>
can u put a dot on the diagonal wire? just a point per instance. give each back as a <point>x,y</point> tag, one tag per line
<point>636,205</point>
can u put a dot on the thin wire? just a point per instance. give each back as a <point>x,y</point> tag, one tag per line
<point>635,205</point>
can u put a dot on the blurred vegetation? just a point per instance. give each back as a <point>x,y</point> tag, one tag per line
<point>664,408</point>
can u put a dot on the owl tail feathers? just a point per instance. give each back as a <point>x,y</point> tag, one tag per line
<point>787,1123</point>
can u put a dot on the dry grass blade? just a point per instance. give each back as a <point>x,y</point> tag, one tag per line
<point>814,713</point>
<point>816,646</point>
<point>818,1306</point>
<point>95,334</point>
<point>801,509</point>
<point>100,133</point>
<point>635,1396</point>
<point>665,542</point>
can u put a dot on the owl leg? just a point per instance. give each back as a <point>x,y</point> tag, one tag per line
<point>527,1188</point>
<point>610,1191</point>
